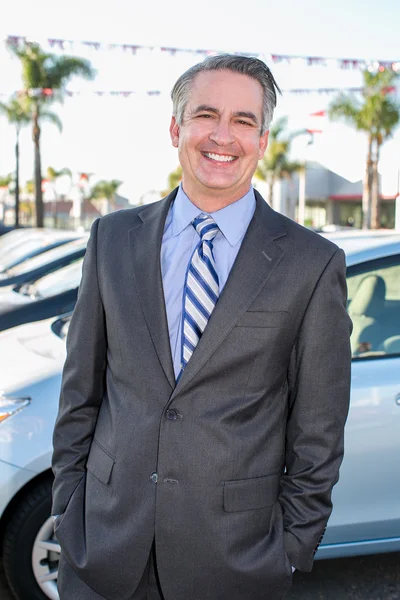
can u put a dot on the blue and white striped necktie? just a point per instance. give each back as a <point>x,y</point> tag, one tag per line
<point>201,290</point>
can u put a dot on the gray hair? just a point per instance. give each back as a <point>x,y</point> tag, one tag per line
<point>246,65</point>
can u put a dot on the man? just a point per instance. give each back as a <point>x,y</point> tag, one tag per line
<point>206,385</point>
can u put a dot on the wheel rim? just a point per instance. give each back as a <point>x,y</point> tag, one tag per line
<point>45,556</point>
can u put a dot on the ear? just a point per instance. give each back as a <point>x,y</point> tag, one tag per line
<point>263,144</point>
<point>174,132</point>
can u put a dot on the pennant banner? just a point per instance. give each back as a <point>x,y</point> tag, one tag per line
<point>319,61</point>
<point>35,93</point>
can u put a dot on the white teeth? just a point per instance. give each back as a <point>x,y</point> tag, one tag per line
<point>219,157</point>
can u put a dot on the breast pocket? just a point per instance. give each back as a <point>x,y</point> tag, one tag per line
<point>263,319</point>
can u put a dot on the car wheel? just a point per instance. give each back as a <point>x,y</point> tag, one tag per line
<point>30,550</point>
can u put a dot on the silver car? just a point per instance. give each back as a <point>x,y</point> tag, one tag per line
<point>366,515</point>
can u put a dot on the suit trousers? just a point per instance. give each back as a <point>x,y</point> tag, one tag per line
<point>71,587</point>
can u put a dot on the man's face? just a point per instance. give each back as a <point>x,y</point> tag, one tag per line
<point>219,141</point>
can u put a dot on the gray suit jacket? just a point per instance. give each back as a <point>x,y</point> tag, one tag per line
<point>230,470</point>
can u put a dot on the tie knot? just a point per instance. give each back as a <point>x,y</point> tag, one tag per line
<point>206,227</point>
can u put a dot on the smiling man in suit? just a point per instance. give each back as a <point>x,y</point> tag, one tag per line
<point>206,385</point>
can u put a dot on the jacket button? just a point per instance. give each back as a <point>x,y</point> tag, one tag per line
<point>171,414</point>
<point>154,477</point>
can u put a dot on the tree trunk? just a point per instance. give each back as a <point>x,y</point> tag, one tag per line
<point>271,184</point>
<point>17,180</point>
<point>366,198</point>
<point>38,169</point>
<point>55,211</point>
<point>375,220</point>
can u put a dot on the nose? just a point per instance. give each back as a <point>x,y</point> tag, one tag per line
<point>221,133</point>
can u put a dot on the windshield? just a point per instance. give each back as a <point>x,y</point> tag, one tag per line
<point>62,280</point>
<point>351,245</point>
<point>9,258</point>
<point>47,257</point>
<point>13,238</point>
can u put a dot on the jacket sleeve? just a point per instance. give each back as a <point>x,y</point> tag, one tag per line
<point>82,383</point>
<point>319,389</point>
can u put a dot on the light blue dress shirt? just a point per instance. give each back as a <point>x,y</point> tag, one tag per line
<point>180,239</point>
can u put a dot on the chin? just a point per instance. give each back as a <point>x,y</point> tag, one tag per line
<point>219,183</point>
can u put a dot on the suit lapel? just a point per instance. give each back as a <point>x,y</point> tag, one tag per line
<point>257,258</point>
<point>145,244</point>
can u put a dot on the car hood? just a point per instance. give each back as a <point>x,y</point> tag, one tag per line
<point>10,299</point>
<point>28,354</point>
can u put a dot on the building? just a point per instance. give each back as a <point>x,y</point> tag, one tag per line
<point>330,199</point>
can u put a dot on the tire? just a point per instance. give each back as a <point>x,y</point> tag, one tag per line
<point>30,551</point>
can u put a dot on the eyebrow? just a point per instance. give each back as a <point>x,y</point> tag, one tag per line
<point>240,113</point>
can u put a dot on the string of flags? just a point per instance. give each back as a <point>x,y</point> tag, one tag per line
<point>37,92</point>
<point>65,45</point>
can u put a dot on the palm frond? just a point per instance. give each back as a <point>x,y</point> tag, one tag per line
<point>16,111</point>
<point>344,108</point>
<point>105,189</point>
<point>64,68</point>
<point>50,117</point>
<point>277,128</point>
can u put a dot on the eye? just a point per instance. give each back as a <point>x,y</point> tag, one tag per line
<point>204,116</point>
<point>241,122</point>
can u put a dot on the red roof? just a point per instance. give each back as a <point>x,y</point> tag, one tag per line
<point>357,197</point>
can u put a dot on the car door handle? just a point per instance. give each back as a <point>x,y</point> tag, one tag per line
<point>397,399</point>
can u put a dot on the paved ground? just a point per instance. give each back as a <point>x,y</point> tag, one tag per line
<point>363,578</point>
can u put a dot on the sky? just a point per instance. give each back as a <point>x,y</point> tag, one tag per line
<point>127,138</point>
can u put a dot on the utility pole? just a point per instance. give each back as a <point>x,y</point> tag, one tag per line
<point>301,215</point>
<point>397,204</point>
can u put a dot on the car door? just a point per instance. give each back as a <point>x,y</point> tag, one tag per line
<point>366,515</point>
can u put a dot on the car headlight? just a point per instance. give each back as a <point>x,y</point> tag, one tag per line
<point>9,406</point>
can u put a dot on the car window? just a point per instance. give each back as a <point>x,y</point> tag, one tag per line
<point>374,307</point>
<point>33,244</point>
<point>8,258</point>
<point>46,257</point>
<point>62,280</point>
<point>25,248</point>
<point>13,238</point>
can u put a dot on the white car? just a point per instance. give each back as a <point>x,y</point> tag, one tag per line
<point>31,361</point>
<point>366,515</point>
<point>20,245</point>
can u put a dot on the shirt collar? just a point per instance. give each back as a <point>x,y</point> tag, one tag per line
<point>232,220</point>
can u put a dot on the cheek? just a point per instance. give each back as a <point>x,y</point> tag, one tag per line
<point>197,132</point>
<point>253,146</point>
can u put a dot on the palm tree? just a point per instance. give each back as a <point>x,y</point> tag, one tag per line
<point>52,175</point>
<point>17,113</point>
<point>106,189</point>
<point>174,179</point>
<point>30,187</point>
<point>275,164</point>
<point>6,180</point>
<point>44,77</point>
<point>377,116</point>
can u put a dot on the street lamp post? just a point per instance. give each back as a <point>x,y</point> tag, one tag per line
<point>301,214</point>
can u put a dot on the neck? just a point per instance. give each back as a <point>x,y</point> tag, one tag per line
<point>210,203</point>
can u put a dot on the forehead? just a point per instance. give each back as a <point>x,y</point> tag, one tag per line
<point>224,89</point>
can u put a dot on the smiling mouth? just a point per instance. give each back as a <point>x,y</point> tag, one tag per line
<point>222,158</point>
